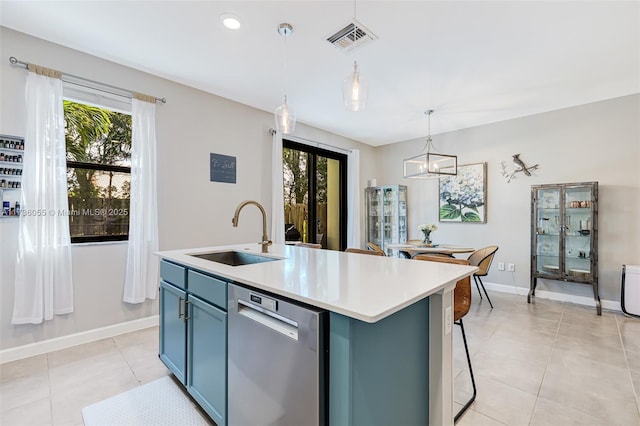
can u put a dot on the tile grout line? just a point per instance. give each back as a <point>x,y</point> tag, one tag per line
<point>133,373</point>
<point>50,388</point>
<point>546,367</point>
<point>626,360</point>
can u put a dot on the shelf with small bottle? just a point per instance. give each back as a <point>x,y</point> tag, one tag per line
<point>10,209</point>
<point>11,169</point>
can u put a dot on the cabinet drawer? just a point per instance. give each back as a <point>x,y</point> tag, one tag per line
<point>208,288</point>
<point>173,274</point>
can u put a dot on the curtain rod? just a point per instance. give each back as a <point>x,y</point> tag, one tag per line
<point>14,61</point>
<point>272,131</point>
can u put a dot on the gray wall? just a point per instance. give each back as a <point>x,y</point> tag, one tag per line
<point>594,142</point>
<point>193,212</point>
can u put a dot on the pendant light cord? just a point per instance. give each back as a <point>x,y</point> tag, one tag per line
<point>285,65</point>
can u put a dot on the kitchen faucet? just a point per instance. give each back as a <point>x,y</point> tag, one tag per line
<point>266,242</point>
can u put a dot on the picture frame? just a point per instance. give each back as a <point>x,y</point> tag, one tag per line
<point>463,197</point>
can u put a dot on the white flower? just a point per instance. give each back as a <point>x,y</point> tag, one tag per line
<point>428,228</point>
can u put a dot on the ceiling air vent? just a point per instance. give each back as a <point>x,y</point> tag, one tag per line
<point>351,36</point>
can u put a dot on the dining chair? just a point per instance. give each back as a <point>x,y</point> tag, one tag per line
<point>482,258</point>
<point>310,245</point>
<point>461,305</point>
<point>376,248</point>
<point>361,251</point>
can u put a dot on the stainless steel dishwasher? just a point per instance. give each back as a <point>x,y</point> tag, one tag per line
<point>276,366</point>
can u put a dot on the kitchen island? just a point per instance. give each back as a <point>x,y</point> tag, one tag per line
<point>389,328</point>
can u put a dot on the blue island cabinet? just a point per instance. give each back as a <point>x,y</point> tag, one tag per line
<point>379,372</point>
<point>397,370</point>
<point>193,334</point>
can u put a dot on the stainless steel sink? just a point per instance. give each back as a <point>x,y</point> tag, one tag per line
<point>234,258</point>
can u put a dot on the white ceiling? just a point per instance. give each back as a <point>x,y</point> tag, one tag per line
<point>474,62</point>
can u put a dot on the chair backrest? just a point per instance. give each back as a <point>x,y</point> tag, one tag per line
<point>310,245</point>
<point>462,292</point>
<point>361,251</point>
<point>482,258</point>
<point>376,248</point>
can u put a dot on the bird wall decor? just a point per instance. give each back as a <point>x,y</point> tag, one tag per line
<point>520,167</point>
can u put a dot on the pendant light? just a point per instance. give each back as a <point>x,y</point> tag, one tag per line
<point>284,116</point>
<point>354,88</point>
<point>430,165</point>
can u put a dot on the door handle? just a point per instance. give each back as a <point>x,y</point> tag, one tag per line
<point>180,307</point>
<point>186,312</point>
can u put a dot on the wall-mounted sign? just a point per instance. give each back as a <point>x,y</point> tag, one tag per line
<point>223,168</point>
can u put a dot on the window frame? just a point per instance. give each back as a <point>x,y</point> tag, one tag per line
<point>98,167</point>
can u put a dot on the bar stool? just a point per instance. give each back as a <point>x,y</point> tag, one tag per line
<point>461,305</point>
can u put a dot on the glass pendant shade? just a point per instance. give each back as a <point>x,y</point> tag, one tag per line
<point>355,90</point>
<point>285,118</point>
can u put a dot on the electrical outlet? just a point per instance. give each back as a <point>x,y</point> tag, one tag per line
<point>500,266</point>
<point>512,267</point>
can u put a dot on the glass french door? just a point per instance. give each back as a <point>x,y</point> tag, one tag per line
<point>314,195</point>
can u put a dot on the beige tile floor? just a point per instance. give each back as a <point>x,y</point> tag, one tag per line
<point>548,364</point>
<point>542,364</point>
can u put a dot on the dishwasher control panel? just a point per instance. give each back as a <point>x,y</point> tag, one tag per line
<point>265,302</point>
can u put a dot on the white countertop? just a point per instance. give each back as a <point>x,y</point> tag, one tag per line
<point>368,288</point>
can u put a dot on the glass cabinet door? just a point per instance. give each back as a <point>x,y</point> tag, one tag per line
<point>374,215</point>
<point>578,227</point>
<point>548,225</point>
<point>402,215</point>
<point>390,212</point>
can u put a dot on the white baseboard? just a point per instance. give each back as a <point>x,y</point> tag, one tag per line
<point>552,295</point>
<point>63,342</point>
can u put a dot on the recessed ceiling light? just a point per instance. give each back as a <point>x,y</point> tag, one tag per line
<point>230,21</point>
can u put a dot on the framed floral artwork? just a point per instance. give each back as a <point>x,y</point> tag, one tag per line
<point>463,197</point>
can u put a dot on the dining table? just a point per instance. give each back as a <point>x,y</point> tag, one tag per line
<point>409,250</point>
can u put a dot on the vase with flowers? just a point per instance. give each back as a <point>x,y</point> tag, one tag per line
<point>426,231</point>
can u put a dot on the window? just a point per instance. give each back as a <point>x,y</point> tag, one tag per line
<point>98,142</point>
<point>315,193</point>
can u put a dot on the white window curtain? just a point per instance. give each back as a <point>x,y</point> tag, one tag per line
<point>43,281</point>
<point>277,191</point>
<point>141,281</point>
<point>353,199</point>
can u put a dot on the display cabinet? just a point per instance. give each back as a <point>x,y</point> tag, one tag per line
<point>11,158</point>
<point>564,235</point>
<point>386,213</point>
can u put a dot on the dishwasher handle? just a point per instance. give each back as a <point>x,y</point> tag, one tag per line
<point>276,322</point>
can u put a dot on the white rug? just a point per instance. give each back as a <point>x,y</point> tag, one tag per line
<point>160,402</point>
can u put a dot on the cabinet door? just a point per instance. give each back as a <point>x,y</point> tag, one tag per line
<point>207,353</point>
<point>580,228</point>
<point>173,330</point>
<point>548,228</point>
<point>374,215</point>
